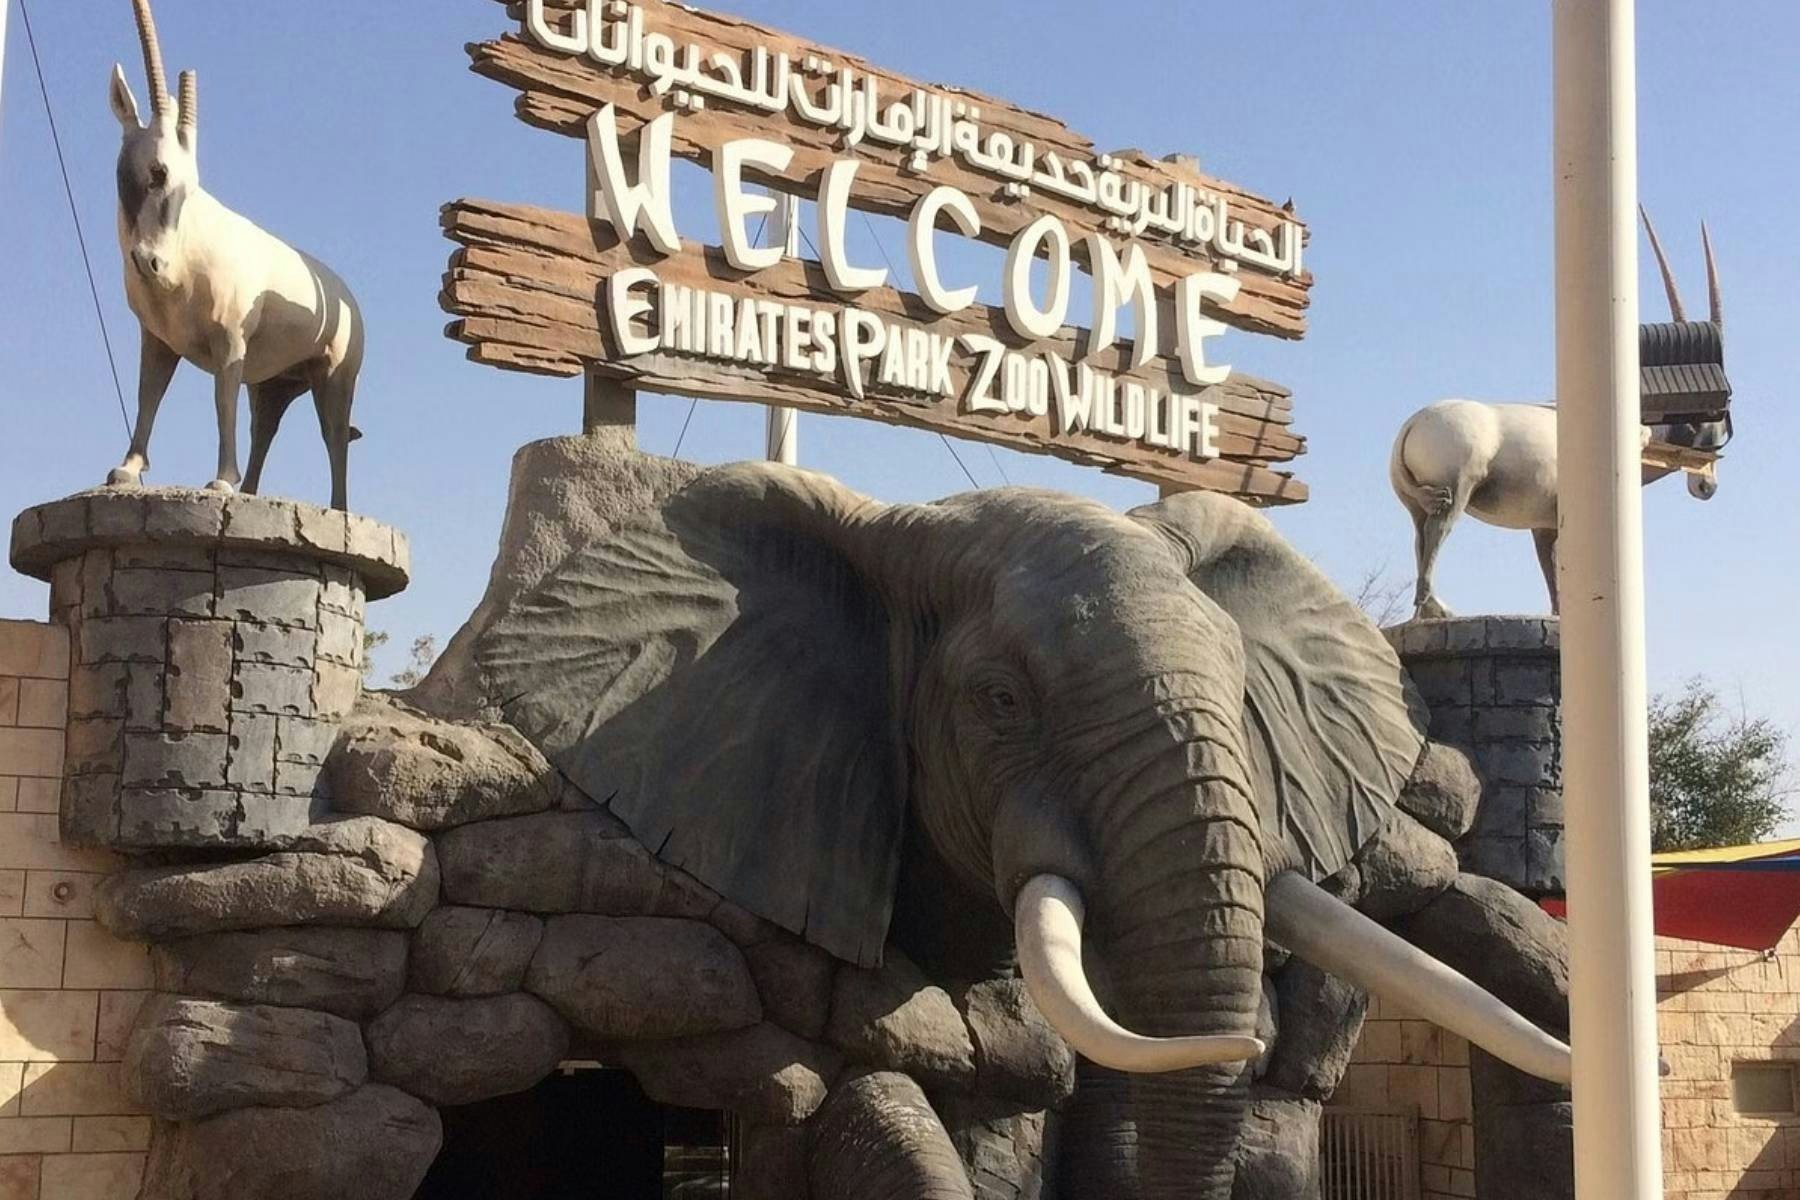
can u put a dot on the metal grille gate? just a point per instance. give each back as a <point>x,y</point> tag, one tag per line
<point>1368,1156</point>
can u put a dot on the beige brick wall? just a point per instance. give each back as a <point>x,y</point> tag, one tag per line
<point>68,990</point>
<point>1715,1007</point>
<point>1405,1065</point>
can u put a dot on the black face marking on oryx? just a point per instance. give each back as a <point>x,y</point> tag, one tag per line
<point>132,190</point>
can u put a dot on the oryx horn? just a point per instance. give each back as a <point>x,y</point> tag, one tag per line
<point>1712,279</point>
<point>1668,276</point>
<point>189,104</point>
<point>153,61</point>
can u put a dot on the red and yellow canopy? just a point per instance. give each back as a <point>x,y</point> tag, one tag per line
<point>1742,896</point>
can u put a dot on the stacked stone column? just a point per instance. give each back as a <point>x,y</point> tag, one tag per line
<point>216,642</point>
<point>1494,685</point>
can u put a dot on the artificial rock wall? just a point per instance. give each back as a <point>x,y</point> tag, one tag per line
<point>332,890</point>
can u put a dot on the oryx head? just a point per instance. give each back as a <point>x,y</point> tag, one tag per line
<point>158,167</point>
<point>1707,338</point>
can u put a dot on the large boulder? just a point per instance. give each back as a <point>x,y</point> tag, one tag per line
<point>1278,1152</point>
<point>374,1144</point>
<point>564,862</point>
<point>1502,941</point>
<point>394,762</point>
<point>1444,791</point>
<point>354,973</point>
<point>624,978</point>
<point>356,871</point>
<point>460,1051</point>
<point>1320,1017</point>
<point>794,979</point>
<point>896,1019</point>
<point>1002,1145</point>
<point>1402,867</point>
<point>1017,1054</point>
<point>473,951</point>
<point>763,1074</point>
<point>565,492</point>
<point>191,1058</point>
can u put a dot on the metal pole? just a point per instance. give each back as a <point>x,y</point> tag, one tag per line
<point>1612,992</point>
<point>784,423</point>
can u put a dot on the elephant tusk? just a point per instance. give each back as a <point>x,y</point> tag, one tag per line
<point>1331,935</point>
<point>1047,926</point>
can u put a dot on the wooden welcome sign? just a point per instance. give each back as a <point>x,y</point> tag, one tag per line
<point>620,292</point>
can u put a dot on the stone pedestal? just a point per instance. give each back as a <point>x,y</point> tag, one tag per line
<point>1494,685</point>
<point>216,642</point>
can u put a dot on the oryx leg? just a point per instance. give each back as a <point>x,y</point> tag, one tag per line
<point>227,383</point>
<point>1434,511</point>
<point>156,367</point>
<point>269,400</point>
<point>1545,540</point>
<point>334,391</point>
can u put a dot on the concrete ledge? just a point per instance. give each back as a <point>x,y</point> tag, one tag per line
<point>107,517</point>
<point>1473,636</point>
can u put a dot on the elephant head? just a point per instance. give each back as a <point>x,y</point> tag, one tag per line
<point>1121,728</point>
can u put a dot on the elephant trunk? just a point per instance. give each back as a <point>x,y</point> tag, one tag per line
<point>1179,922</point>
<point>1176,909</point>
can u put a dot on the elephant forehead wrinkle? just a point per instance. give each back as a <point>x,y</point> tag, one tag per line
<point>1147,740</point>
<point>1187,897</point>
<point>1216,835</point>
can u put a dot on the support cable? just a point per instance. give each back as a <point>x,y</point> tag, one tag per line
<point>75,216</point>
<point>892,271</point>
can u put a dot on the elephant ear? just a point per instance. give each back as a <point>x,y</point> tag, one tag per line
<point>717,673</point>
<point>1333,724</point>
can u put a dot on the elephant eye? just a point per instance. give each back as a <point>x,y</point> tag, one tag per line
<point>999,701</point>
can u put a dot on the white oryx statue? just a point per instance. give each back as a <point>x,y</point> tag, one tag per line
<point>209,286</point>
<point>1498,461</point>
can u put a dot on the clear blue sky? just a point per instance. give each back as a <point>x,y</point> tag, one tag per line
<point>1415,139</point>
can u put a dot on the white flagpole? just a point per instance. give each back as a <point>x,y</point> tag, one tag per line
<point>784,423</point>
<point>1600,558</point>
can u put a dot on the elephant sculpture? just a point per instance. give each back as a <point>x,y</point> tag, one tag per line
<point>1137,755</point>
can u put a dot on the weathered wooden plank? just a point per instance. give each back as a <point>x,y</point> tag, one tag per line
<point>1251,481</point>
<point>565,254</point>
<point>567,324</point>
<point>561,91</point>
<point>542,316</point>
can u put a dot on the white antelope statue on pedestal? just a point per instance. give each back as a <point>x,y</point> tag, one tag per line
<point>1498,461</point>
<point>209,286</point>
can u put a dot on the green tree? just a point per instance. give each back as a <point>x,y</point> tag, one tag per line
<point>1716,778</point>
<point>418,662</point>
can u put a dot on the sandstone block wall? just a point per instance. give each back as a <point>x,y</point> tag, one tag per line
<point>68,989</point>
<point>1407,1066</point>
<point>1718,1007</point>
<point>1494,685</point>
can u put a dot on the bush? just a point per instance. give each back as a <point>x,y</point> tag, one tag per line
<point>1716,779</point>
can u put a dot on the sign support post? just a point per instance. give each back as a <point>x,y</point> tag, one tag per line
<point>784,423</point>
<point>1612,1001</point>
<point>607,404</point>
